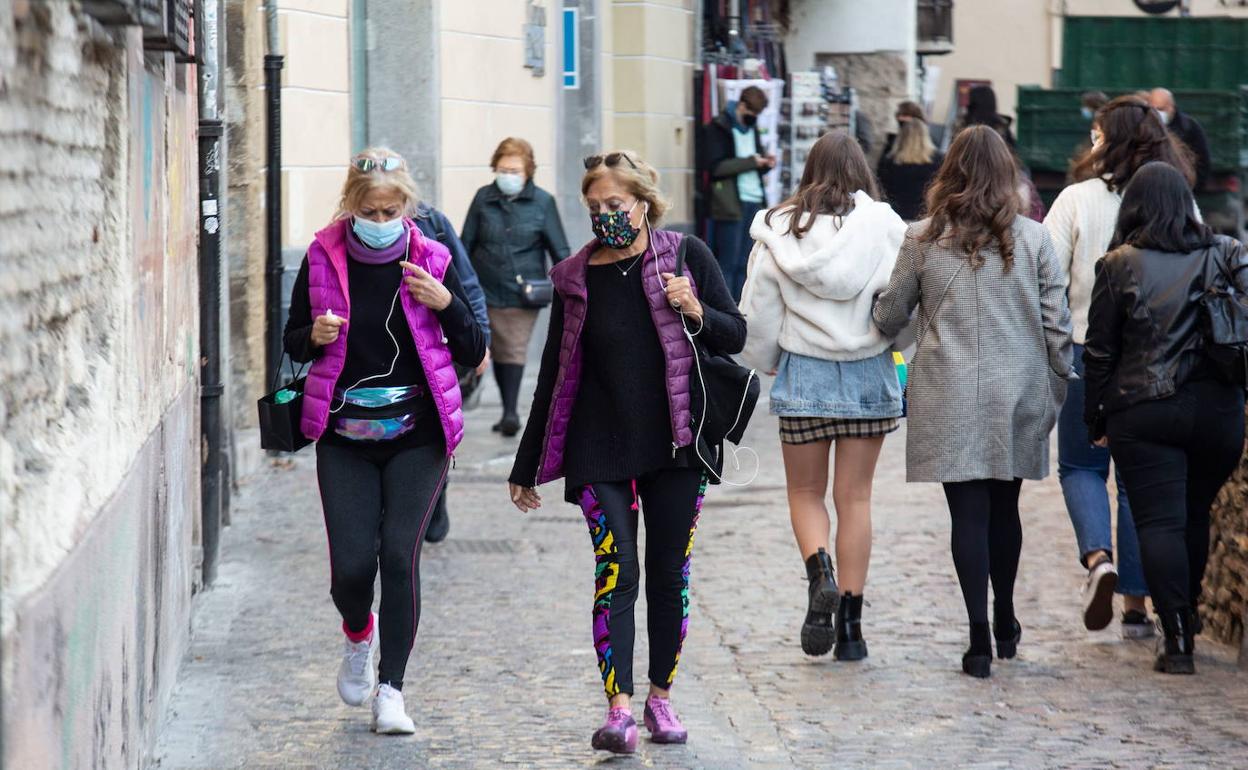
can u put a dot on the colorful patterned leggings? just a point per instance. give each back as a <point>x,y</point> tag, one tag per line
<point>671,501</point>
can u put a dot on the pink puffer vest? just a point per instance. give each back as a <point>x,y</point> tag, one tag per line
<point>327,290</point>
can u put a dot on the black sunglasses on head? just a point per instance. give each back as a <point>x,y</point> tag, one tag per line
<point>611,159</point>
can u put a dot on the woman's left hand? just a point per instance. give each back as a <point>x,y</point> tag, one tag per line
<point>681,297</point>
<point>425,289</point>
<point>1102,442</point>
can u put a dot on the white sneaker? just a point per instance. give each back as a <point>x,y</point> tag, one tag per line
<point>1098,595</point>
<point>356,675</point>
<point>389,715</point>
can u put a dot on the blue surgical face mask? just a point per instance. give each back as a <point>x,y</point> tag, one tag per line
<point>377,235</point>
<point>1087,113</point>
<point>509,184</point>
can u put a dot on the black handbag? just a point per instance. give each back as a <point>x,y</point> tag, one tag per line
<point>723,395</point>
<point>280,412</point>
<point>536,292</point>
<point>1224,322</point>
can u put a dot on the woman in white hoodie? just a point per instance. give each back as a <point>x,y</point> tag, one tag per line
<point>820,259</point>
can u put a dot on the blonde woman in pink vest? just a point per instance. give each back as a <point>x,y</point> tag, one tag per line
<point>611,417</point>
<point>380,312</point>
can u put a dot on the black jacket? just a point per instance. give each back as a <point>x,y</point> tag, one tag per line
<point>718,160</point>
<point>510,238</point>
<point>905,183</point>
<point>1189,132</point>
<point>1144,325</point>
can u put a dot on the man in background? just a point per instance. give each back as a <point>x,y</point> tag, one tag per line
<point>734,160</point>
<point>1185,129</point>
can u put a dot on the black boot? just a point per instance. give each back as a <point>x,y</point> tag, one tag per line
<point>440,523</point>
<point>978,659</point>
<point>1175,648</point>
<point>849,643</point>
<point>1008,633</point>
<point>509,377</point>
<point>818,632</point>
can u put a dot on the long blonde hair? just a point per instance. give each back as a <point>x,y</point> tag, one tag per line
<point>634,174</point>
<point>361,183</point>
<point>914,144</point>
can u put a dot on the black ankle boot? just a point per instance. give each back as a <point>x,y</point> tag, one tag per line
<point>1175,648</point>
<point>849,643</point>
<point>818,631</point>
<point>978,659</point>
<point>1008,633</point>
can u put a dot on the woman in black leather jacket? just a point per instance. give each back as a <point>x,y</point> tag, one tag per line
<point>1174,426</point>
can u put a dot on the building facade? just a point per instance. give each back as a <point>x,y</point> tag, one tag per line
<point>99,401</point>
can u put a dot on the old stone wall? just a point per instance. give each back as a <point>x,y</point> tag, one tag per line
<point>99,468</point>
<point>880,80</point>
<point>1226,579</point>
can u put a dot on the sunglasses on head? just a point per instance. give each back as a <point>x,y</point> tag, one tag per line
<point>367,164</point>
<point>611,159</point>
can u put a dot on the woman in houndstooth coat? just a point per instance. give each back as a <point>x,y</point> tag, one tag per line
<point>988,376</point>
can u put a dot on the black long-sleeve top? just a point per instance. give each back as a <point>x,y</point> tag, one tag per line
<point>370,349</point>
<point>621,424</point>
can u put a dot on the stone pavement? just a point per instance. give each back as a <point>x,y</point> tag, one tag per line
<point>504,675</point>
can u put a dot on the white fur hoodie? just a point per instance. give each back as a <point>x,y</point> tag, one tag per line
<point>812,296</point>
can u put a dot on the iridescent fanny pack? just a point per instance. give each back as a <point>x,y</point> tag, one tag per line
<point>378,414</point>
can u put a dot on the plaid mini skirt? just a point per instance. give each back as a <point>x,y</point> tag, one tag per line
<point>808,430</point>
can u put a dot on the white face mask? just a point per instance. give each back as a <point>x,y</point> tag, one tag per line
<point>1096,138</point>
<point>1165,117</point>
<point>509,184</point>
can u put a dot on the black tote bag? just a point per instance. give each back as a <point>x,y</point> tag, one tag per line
<point>723,395</point>
<point>280,415</point>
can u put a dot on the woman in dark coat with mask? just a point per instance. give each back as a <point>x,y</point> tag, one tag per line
<point>511,228</point>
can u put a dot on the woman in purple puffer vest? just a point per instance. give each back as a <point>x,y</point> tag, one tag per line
<point>611,416</point>
<point>380,312</point>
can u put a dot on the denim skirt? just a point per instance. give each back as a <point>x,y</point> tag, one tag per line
<point>855,390</point>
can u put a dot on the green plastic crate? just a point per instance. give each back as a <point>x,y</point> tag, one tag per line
<point>1111,53</point>
<point>1050,127</point>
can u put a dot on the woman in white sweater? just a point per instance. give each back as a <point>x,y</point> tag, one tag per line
<point>1126,134</point>
<point>820,259</point>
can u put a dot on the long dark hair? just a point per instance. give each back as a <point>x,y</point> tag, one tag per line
<point>835,170</point>
<point>1132,135</point>
<point>974,199</point>
<point>1158,212</point>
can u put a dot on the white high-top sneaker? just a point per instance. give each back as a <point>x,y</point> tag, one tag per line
<point>389,715</point>
<point>356,675</point>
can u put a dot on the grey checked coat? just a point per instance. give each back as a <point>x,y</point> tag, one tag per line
<point>994,351</point>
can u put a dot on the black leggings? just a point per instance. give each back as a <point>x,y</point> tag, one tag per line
<point>671,501</point>
<point>1174,455</point>
<point>377,501</point>
<point>987,540</point>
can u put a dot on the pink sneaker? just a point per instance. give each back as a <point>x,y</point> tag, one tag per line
<point>618,734</point>
<point>662,722</point>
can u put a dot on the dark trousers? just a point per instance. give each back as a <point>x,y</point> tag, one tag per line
<point>987,539</point>
<point>375,495</point>
<point>671,501</point>
<point>731,244</point>
<point>1175,454</point>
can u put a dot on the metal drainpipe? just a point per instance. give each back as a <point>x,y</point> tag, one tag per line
<point>212,479</point>
<point>273,195</point>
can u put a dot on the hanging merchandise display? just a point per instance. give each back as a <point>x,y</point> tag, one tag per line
<point>816,105</point>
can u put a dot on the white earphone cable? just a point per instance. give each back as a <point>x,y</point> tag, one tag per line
<point>394,361</point>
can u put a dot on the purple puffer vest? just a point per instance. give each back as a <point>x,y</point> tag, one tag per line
<point>327,289</point>
<point>569,279</point>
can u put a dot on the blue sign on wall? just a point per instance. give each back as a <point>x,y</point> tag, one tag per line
<point>571,49</point>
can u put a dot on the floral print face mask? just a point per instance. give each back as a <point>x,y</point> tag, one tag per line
<point>614,229</point>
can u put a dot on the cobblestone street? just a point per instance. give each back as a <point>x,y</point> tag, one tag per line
<point>503,673</point>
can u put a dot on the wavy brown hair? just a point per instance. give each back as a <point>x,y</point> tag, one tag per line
<point>835,169</point>
<point>1132,135</point>
<point>973,200</point>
